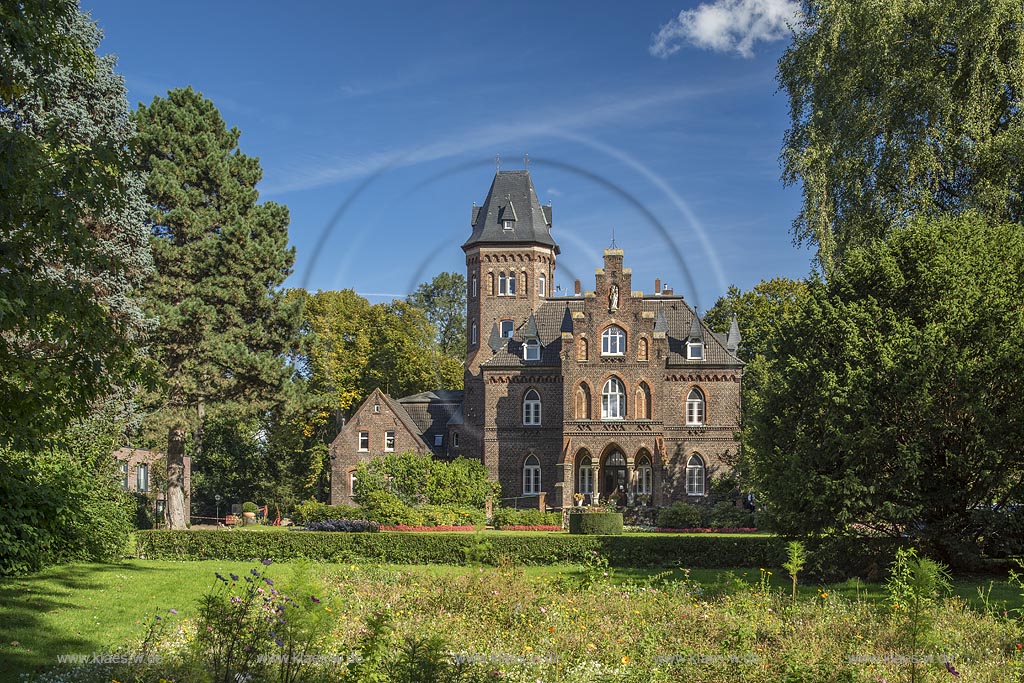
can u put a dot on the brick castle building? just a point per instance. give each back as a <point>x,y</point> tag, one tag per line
<point>605,392</point>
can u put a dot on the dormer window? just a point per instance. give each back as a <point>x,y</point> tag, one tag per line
<point>506,328</point>
<point>531,350</point>
<point>695,350</point>
<point>507,225</point>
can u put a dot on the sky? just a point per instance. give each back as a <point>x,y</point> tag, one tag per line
<point>654,124</point>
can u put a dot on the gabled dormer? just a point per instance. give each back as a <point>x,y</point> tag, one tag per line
<point>695,340</point>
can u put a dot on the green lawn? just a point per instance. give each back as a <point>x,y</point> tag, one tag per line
<point>94,608</point>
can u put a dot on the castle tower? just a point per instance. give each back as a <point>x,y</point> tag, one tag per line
<point>510,270</point>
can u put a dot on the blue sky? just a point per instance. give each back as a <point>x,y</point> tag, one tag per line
<point>377,124</point>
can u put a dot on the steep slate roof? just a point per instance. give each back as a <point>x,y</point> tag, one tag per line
<point>672,315</point>
<point>511,197</point>
<point>432,411</point>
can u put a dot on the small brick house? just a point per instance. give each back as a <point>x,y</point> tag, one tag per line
<point>610,391</point>
<point>140,469</point>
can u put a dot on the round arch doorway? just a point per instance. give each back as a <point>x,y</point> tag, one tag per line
<point>614,476</point>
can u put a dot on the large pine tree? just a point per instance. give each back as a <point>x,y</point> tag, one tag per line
<point>220,258</point>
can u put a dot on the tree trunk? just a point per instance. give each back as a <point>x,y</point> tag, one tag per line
<point>176,514</point>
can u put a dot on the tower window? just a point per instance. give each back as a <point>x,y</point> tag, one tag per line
<point>502,284</point>
<point>531,350</point>
<point>507,328</point>
<point>542,286</point>
<point>511,284</point>
<point>474,287</point>
<point>473,336</point>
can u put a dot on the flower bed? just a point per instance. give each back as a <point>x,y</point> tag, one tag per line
<point>404,527</point>
<point>528,527</point>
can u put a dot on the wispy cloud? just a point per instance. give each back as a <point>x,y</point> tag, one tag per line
<point>554,192</point>
<point>727,26</point>
<point>322,170</point>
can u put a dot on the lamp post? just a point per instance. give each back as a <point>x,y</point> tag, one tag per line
<point>217,498</point>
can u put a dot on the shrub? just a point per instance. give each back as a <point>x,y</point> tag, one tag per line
<point>725,514</point>
<point>249,506</point>
<point>451,515</point>
<point>505,517</point>
<point>462,482</point>
<point>595,523</point>
<point>387,508</point>
<point>315,511</point>
<point>350,525</point>
<point>679,515</point>
<point>449,548</point>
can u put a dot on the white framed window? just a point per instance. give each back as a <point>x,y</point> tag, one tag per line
<point>376,407</point>
<point>511,284</point>
<point>695,476</point>
<point>502,284</point>
<point>364,441</point>
<point>644,477</point>
<point>474,287</point>
<point>507,328</point>
<point>531,350</point>
<point>472,335</point>
<point>455,439</point>
<point>531,408</point>
<point>585,478</point>
<point>695,407</point>
<point>124,475</point>
<point>694,350</point>
<point>613,400</point>
<point>613,341</point>
<point>531,476</point>
<point>507,225</point>
<point>351,482</point>
<point>542,285</point>
<point>142,477</point>
<point>389,441</point>
<point>438,439</point>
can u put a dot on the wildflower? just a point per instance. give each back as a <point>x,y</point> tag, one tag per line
<point>270,582</point>
<point>234,577</point>
<point>254,572</point>
<point>625,659</point>
<point>280,643</point>
<point>315,599</point>
<point>217,574</point>
<point>950,669</point>
<point>266,562</point>
<point>173,611</point>
<point>235,600</point>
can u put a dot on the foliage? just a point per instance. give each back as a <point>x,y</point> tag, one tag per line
<point>679,515</point>
<point>315,511</point>
<point>502,517</point>
<point>929,125</point>
<point>63,503</point>
<point>761,312</point>
<point>249,506</point>
<point>344,525</point>
<point>653,550</point>
<point>914,587</point>
<point>463,482</point>
<point>725,515</point>
<point>443,299</point>
<point>418,479</point>
<point>387,508</point>
<point>73,248</point>
<point>220,258</point>
<point>600,523</point>
<point>886,405</point>
<point>796,558</point>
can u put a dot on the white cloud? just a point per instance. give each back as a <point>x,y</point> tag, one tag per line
<point>554,192</point>
<point>727,26</point>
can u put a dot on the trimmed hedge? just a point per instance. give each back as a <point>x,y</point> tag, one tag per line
<point>449,548</point>
<point>596,523</point>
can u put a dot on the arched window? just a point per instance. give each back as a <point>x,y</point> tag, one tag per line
<point>507,328</point>
<point>542,286</point>
<point>641,349</point>
<point>531,476</point>
<point>525,282</point>
<point>502,284</point>
<point>613,341</point>
<point>644,476</point>
<point>581,349</point>
<point>490,284</point>
<point>531,408</point>
<point>473,288</point>
<point>613,400</point>
<point>585,481</point>
<point>695,476</point>
<point>511,284</point>
<point>583,402</point>
<point>695,407</point>
<point>643,402</point>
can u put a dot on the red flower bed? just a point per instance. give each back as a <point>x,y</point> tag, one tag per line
<point>709,530</point>
<point>403,527</point>
<point>543,527</point>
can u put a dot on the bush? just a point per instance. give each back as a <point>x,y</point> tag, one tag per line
<point>451,548</point>
<point>315,511</point>
<point>725,515</point>
<point>502,517</point>
<point>347,525</point>
<point>249,506</point>
<point>679,515</point>
<point>451,515</point>
<point>387,508</point>
<point>595,523</point>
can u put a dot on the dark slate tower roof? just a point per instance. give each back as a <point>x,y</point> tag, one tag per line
<point>512,197</point>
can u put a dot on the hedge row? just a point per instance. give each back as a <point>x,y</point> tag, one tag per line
<point>444,548</point>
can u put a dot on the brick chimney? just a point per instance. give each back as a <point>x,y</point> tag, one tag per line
<point>576,288</point>
<point>657,285</point>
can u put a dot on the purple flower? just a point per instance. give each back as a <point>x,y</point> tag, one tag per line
<point>951,669</point>
<point>217,574</point>
<point>266,562</point>
<point>234,577</point>
<point>173,611</point>
<point>315,599</point>
<point>236,600</point>
<point>270,582</point>
<point>280,643</point>
<point>158,617</point>
<point>254,572</point>
<point>248,579</point>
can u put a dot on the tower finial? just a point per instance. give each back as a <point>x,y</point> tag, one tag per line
<point>497,162</point>
<point>614,246</point>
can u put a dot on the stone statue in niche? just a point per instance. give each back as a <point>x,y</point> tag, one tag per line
<point>613,298</point>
